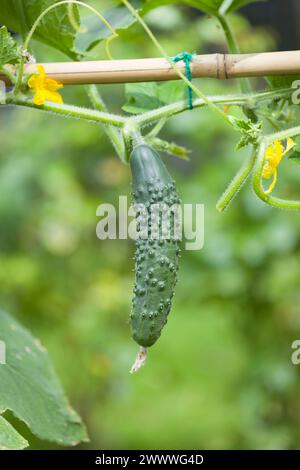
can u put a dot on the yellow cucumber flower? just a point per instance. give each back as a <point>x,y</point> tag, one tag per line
<point>273,156</point>
<point>44,88</point>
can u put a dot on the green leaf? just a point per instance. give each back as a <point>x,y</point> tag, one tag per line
<point>295,157</point>
<point>214,7</point>
<point>30,389</point>
<point>142,97</point>
<point>250,131</point>
<point>8,48</point>
<point>10,439</point>
<point>172,91</point>
<point>282,81</point>
<point>55,29</point>
<point>236,4</point>
<point>148,5</point>
<point>95,31</point>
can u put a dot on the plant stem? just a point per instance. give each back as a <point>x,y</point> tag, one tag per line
<point>158,127</point>
<point>154,115</point>
<point>112,133</point>
<point>168,147</point>
<point>131,137</point>
<point>233,48</point>
<point>181,106</point>
<point>70,111</point>
<point>257,181</point>
<point>197,92</point>
<point>280,108</point>
<point>292,132</point>
<point>237,183</point>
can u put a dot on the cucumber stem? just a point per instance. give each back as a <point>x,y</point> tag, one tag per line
<point>140,360</point>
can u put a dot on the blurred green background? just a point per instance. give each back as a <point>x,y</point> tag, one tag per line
<point>221,376</point>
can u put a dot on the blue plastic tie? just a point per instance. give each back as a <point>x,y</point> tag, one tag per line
<point>187,58</point>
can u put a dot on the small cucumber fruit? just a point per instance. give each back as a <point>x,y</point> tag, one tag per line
<point>156,260</point>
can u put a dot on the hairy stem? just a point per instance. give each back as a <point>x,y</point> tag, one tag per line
<point>197,92</point>
<point>292,132</point>
<point>257,181</point>
<point>181,106</point>
<point>70,111</point>
<point>237,183</point>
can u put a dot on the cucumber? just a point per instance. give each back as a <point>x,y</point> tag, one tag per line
<point>156,259</point>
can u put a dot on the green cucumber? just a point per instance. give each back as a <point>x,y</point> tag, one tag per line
<point>156,260</point>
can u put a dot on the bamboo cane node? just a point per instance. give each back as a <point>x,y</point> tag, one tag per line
<point>225,66</point>
<point>218,65</point>
<point>221,66</point>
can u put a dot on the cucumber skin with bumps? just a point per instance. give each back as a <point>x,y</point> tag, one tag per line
<point>156,260</point>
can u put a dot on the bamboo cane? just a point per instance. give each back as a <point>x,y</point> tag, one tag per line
<point>220,66</point>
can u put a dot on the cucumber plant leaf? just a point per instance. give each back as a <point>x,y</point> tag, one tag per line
<point>10,439</point>
<point>215,7</point>
<point>212,7</point>
<point>295,157</point>
<point>95,31</point>
<point>55,29</point>
<point>281,81</point>
<point>142,97</point>
<point>8,48</point>
<point>30,388</point>
<point>249,130</point>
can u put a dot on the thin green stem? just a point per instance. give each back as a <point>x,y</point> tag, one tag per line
<point>197,92</point>
<point>237,183</point>
<point>233,48</point>
<point>158,127</point>
<point>181,106</point>
<point>168,147</point>
<point>224,7</point>
<point>230,38</point>
<point>112,133</point>
<point>292,132</point>
<point>257,181</point>
<point>70,111</point>
<point>279,110</point>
